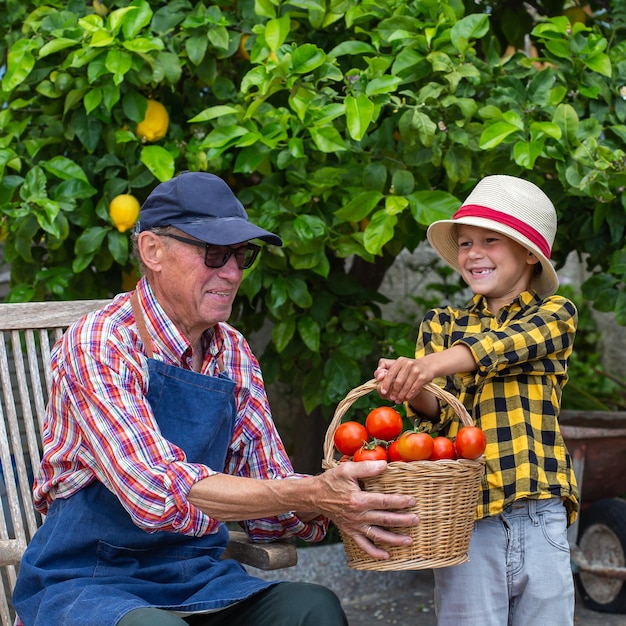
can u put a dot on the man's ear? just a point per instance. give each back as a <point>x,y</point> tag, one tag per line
<point>151,249</point>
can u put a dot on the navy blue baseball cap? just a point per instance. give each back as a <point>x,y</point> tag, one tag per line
<point>203,206</point>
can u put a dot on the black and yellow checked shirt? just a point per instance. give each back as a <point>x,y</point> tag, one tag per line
<point>514,395</point>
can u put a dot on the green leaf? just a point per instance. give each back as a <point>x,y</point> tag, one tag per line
<point>549,129</point>
<point>87,244</point>
<point>359,206</point>
<point>276,31</point>
<point>566,118</point>
<point>264,8</point>
<point>283,332</point>
<point>342,373</point>
<point>118,62</point>
<point>327,139</point>
<point>306,58</point>
<point>379,231</point>
<point>92,100</point>
<point>457,162</point>
<point>352,48</point>
<point>277,295</point>
<point>430,206</point>
<point>620,308</point>
<point>65,169</point>
<point>34,187</point>
<point>133,22</point>
<point>299,292</point>
<point>159,161</point>
<point>425,127</point>
<point>310,333</point>
<point>214,112</point>
<point>473,26</point>
<point>526,153</point>
<point>560,49</point>
<point>402,182</point>
<point>56,45</point>
<point>359,114</point>
<point>73,189</point>
<point>20,62</point>
<point>309,227</point>
<point>218,36</point>
<point>142,45</point>
<point>168,65</point>
<point>117,244</point>
<point>196,48</point>
<point>6,157</point>
<point>316,261</point>
<point>382,84</point>
<point>617,263</point>
<point>600,63</point>
<point>495,134</point>
<point>395,204</point>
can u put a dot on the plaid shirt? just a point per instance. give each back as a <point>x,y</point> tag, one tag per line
<point>99,425</point>
<point>514,395</point>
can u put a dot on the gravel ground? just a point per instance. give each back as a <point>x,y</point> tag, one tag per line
<point>402,598</point>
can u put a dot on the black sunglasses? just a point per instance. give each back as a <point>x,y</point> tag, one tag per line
<point>217,256</point>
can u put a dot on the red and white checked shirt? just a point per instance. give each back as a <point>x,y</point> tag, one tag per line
<point>99,424</point>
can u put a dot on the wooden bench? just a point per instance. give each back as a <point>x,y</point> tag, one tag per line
<point>28,333</point>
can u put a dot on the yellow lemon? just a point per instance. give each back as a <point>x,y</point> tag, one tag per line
<point>243,51</point>
<point>100,8</point>
<point>154,125</point>
<point>576,14</point>
<point>124,211</point>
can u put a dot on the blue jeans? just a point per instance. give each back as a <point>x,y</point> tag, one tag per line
<point>519,572</point>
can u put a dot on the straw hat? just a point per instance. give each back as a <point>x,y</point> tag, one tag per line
<point>514,207</point>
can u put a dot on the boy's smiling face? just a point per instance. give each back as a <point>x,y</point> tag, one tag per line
<point>493,265</point>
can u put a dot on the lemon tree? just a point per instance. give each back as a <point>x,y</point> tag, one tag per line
<point>350,127</point>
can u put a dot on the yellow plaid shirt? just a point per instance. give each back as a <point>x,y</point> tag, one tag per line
<point>514,395</point>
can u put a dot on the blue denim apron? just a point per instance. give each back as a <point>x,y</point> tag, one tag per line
<point>89,564</point>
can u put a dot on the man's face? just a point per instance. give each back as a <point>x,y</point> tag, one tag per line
<point>193,295</point>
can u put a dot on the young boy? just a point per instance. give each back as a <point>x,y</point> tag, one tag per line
<point>505,357</point>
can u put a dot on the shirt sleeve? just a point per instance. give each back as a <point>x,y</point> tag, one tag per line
<point>103,427</point>
<point>537,343</point>
<point>257,450</point>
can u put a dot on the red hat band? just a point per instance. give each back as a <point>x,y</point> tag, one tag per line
<point>533,235</point>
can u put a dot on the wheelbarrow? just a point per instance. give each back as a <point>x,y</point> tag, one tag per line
<point>596,441</point>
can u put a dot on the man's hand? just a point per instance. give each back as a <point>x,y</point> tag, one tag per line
<point>362,514</point>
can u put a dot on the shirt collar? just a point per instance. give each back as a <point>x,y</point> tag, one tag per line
<point>478,303</point>
<point>165,335</point>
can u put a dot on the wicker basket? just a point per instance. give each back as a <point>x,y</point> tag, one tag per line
<point>445,492</point>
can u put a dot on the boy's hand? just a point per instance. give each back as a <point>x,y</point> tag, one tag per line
<point>401,380</point>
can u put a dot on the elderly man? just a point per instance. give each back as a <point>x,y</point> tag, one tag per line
<point>158,431</point>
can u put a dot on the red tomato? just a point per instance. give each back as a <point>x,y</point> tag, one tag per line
<point>377,453</point>
<point>393,453</point>
<point>384,423</point>
<point>470,442</point>
<point>443,448</point>
<point>349,437</point>
<point>415,446</point>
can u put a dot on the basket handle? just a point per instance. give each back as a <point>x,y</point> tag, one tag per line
<point>370,385</point>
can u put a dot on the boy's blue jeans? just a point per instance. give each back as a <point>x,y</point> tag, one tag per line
<point>519,572</point>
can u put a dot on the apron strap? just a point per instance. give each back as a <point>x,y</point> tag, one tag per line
<point>141,325</point>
